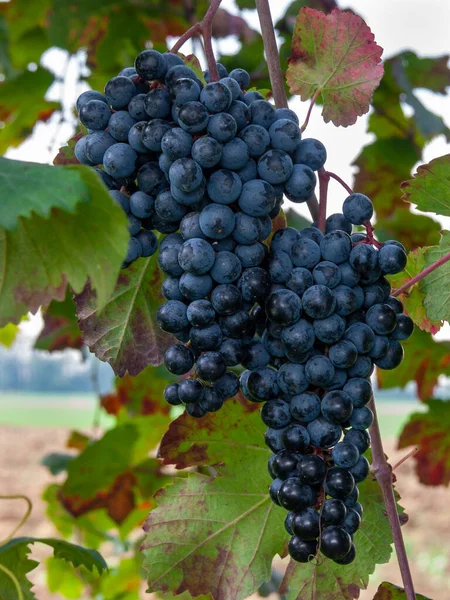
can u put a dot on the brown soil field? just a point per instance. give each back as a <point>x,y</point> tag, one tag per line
<point>427,532</point>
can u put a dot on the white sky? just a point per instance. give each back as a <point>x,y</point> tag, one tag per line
<point>397,25</point>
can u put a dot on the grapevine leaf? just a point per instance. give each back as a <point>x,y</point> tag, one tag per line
<point>125,334</point>
<point>103,476</point>
<point>43,254</point>
<point>23,104</point>
<point>412,230</point>
<point>66,154</point>
<point>190,442</point>
<point>8,334</point>
<point>389,591</point>
<point>60,329</point>
<point>72,553</point>
<point>228,523</point>
<point>436,285</point>
<point>62,578</point>
<point>429,432</point>
<point>36,196</point>
<point>142,394</point>
<point>425,359</point>
<point>335,55</point>
<point>374,547</point>
<point>430,188</point>
<point>413,297</point>
<point>382,167</point>
<point>15,558</point>
<point>56,462</point>
<point>430,73</point>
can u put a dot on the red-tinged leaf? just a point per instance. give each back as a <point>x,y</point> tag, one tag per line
<point>413,297</point>
<point>108,471</point>
<point>140,395</point>
<point>425,360</point>
<point>430,188</point>
<point>125,334</point>
<point>226,524</point>
<point>118,500</point>
<point>429,432</point>
<point>60,329</point>
<point>335,55</point>
<point>389,591</point>
<point>66,154</point>
<point>215,438</point>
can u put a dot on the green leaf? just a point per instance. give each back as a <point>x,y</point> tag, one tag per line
<point>389,591</point>
<point>56,462</point>
<point>430,188</point>
<point>228,523</point>
<point>60,329</point>
<point>36,196</point>
<point>72,553</point>
<point>102,476</point>
<point>373,543</point>
<point>14,556</point>
<point>429,432</point>
<point>436,285</point>
<point>192,61</point>
<point>335,55</point>
<point>382,167</point>
<point>23,104</point>
<point>8,334</point>
<point>425,360</point>
<point>411,229</point>
<point>430,73</point>
<point>61,578</point>
<point>295,220</point>
<point>44,254</point>
<point>413,297</point>
<point>125,334</point>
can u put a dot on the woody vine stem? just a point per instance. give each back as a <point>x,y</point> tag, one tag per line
<point>380,467</point>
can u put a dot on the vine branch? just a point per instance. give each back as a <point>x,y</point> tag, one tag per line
<point>203,28</point>
<point>276,74</point>
<point>421,275</point>
<point>383,472</point>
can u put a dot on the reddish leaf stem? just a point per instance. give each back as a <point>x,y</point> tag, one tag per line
<point>383,472</point>
<point>276,73</point>
<point>204,27</point>
<point>405,458</point>
<point>324,179</point>
<point>308,114</point>
<point>341,181</point>
<point>421,275</point>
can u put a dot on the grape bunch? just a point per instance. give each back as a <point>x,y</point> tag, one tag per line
<point>330,319</point>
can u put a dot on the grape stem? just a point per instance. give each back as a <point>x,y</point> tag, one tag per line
<point>341,181</point>
<point>308,114</point>
<point>276,74</point>
<point>421,275</point>
<point>371,235</point>
<point>414,451</point>
<point>203,28</point>
<point>383,473</point>
<point>324,179</point>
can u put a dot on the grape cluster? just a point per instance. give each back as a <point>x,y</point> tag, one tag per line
<point>330,319</point>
